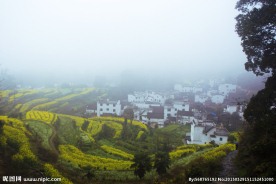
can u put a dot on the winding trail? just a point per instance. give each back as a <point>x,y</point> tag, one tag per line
<point>51,140</point>
<point>229,169</point>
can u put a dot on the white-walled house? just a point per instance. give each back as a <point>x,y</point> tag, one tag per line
<point>235,109</point>
<point>172,109</point>
<point>210,93</point>
<point>142,105</point>
<point>205,132</point>
<point>181,105</point>
<point>201,98</point>
<point>148,96</point>
<point>107,107</point>
<point>156,115</point>
<point>225,89</point>
<point>169,111</point>
<point>185,117</point>
<point>155,98</point>
<point>91,109</point>
<point>217,99</point>
<point>215,96</point>
<point>187,89</point>
<point>136,98</point>
<point>231,109</point>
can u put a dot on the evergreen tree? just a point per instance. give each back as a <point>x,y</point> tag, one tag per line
<point>84,126</point>
<point>256,25</point>
<point>128,114</point>
<point>258,143</point>
<point>162,162</point>
<point>141,165</point>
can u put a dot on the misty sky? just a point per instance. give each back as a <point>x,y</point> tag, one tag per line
<point>98,37</point>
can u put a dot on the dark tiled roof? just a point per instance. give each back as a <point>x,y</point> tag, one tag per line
<point>221,131</point>
<point>157,112</point>
<point>157,109</point>
<point>92,106</point>
<point>185,113</point>
<point>207,128</point>
<point>152,115</point>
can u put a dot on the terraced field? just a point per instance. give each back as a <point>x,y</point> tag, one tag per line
<point>44,116</point>
<point>75,147</point>
<point>61,100</point>
<point>42,131</point>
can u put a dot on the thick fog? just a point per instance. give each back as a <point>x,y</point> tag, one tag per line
<point>80,39</point>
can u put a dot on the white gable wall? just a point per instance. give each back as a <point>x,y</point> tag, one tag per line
<point>169,111</point>
<point>182,106</point>
<point>135,98</point>
<point>231,108</point>
<point>142,105</point>
<point>198,137</point>
<point>186,119</point>
<point>158,121</point>
<point>90,111</point>
<point>201,98</point>
<point>220,139</point>
<point>227,88</point>
<point>156,98</point>
<point>217,99</point>
<point>187,89</point>
<point>109,108</point>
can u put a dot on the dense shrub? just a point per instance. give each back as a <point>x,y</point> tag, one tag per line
<point>50,171</point>
<point>205,165</point>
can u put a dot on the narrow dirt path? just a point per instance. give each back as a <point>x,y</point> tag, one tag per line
<point>228,165</point>
<point>229,169</point>
<point>51,140</point>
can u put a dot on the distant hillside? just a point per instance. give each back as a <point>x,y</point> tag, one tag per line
<point>59,100</point>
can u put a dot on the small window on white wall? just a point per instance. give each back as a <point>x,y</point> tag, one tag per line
<point>220,139</point>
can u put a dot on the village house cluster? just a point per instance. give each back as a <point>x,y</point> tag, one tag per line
<point>156,109</point>
<point>203,132</point>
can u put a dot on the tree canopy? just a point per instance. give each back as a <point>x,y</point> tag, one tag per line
<point>258,143</point>
<point>141,165</point>
<point>162,162</point>
<point>128,114</point>
<point>256,25</point>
